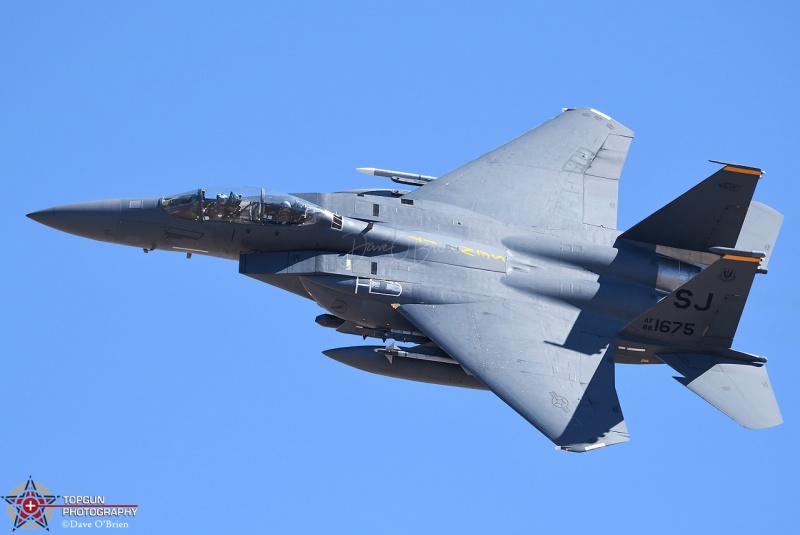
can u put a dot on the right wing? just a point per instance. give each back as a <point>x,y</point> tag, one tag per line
<point>562,174</point>
<point>559,379</point>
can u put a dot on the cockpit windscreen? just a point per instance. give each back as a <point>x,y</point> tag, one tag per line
<point>242,205</point>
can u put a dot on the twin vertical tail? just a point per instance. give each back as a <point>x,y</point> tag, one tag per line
<point>692,329</point>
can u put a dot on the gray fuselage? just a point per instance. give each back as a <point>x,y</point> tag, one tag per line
<point>357,253</point>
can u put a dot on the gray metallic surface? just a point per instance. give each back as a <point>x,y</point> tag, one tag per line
<point>531,184</point>
<point>558,377</point>
<point>760,231</point>
<point>98,220</point>
<point>741,390</point>
<point>424,371</point>
<point>507,273</point>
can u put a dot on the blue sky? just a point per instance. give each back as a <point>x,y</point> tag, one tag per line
<point>203,396</point>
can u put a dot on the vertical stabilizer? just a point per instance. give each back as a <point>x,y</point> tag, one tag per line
<point>710,214</point>
<point>702,314</point>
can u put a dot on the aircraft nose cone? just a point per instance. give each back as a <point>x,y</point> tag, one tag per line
<point>98,220</point>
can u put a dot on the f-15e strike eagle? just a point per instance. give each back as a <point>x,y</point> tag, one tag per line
<point>506,274</point>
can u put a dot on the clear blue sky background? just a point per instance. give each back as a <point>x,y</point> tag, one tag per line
<point>203,395</point>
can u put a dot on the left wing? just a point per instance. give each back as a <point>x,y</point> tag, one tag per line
<point>530,355</point>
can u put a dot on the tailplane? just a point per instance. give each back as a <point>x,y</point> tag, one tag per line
<point>739,389</point>
<point>760,230</point>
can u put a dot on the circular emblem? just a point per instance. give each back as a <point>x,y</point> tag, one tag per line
<point>30,506</point>
<point>27,505</point>
<point>560,401</point>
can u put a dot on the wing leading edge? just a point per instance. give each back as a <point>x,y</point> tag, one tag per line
<point>559,380</point>
<point>562,174</point>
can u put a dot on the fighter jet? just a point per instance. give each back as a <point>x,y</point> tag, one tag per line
<point>506,274</point>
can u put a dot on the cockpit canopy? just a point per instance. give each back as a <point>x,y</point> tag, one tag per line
<point>243,205</point>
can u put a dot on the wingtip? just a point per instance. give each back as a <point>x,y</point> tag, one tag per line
<point>597,112</point>
<point>582,448</point>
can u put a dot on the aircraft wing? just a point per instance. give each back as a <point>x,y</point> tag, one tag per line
<point>562,174</point>
<point>529,354</point>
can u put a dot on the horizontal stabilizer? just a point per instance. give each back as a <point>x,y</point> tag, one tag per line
<point>741,390</point>
<point>760,230</point>
<point>703,313</point>
<point>708,215</point>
